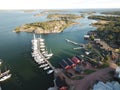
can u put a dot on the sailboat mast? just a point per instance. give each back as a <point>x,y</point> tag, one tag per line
<point>34,36</point>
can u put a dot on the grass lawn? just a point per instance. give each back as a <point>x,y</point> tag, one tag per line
<point>77,78</point>
<point>88,71</point>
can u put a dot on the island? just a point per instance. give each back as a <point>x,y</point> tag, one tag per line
<point>64,16</point>
<point>52,26</point>
<point>108,29</point>
<point>42,13</point>
<point>112,13</point>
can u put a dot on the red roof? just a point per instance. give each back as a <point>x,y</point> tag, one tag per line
<point>63,88</point>
<point>75,60</point>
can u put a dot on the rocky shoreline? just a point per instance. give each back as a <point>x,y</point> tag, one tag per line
<point>64,16</point>
<point>53,26</point>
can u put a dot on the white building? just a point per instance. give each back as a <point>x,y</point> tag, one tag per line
<point>118,72</point>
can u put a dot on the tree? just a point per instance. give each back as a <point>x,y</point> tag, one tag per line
<point>92,37</point>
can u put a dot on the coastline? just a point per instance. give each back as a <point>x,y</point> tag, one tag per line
<point>54,26</point>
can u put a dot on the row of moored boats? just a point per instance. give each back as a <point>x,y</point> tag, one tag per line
<point>41,54</point>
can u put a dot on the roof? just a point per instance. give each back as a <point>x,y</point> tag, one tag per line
<point>75,60</point>
<point>60,83</point>
<point>107,86</point>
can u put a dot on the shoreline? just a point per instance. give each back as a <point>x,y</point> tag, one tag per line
<point>54,26</point>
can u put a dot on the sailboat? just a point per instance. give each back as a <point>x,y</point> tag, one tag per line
<point>49,71</point>
<point>48,54</point>
<point>5,75</point>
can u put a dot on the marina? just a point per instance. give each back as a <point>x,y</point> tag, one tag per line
<point>41,55</point>
<point>16,49</point>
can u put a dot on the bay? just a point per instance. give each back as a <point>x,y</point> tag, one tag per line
<point>15,48</point>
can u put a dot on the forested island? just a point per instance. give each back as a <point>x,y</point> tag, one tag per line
<point>64,16</point>
<point>53,26</point>
<point>57,25</point>
<point>109,30</point>
<point>112,12</point>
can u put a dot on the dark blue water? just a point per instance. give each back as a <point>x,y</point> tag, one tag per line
<point>15,49</point>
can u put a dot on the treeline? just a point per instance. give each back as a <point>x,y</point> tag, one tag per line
<point>63,16</point>
<point>110,32</point>
<point>106,18</point>
<point>45,27</point>
<point>112,12</point>
<point>50,25</point>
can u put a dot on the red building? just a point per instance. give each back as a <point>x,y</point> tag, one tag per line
<point>75,60</point>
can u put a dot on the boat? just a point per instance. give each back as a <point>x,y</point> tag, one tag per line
<point>42,49</point>
<point>48,54</point>
<point>4,75</point>
<point>45,68</point>
<point>0,62</point>
<point>43,65</point>
<point>40,53</point>
<point>49,72</point>
<point>41,43</point>
<point>42,46</point>
<point>44,52</point>
<point>42,62</point>
<point>41,39</point>
<point>47,58</point>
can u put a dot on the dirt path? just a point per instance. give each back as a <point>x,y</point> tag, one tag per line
<point>89,80</point>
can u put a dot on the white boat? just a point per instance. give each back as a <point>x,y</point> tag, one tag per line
<point>0,61</point>
<point>41,39</point>
<point>5,77</point>
<point>42,43</point>
<point>44,52</point>
<point>45,68</point>
<point>42,46</point>
<point>42,49</point>
<point>41,62</point>
<point>48,55</point>
<point>43,65</point>
<point>49,72</point>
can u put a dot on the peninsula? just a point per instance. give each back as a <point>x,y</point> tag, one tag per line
<point>53,26</point>
<point>108,29</point>
<point>64,16</point>
<point>112,13</point>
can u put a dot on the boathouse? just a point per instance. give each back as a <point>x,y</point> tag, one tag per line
<point>75,60</point>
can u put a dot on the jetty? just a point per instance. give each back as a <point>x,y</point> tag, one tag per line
<point>52,67</point>
<point>75,43</point>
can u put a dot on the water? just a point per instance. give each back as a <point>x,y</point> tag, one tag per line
<point>15,49</point>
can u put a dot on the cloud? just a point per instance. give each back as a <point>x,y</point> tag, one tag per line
<point>58,4</point>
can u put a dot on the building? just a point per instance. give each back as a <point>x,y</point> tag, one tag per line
<point>61,84</point>
<point>117,73</point>
<point>75,60</point>
<point>64,65</point>
<point>107,86</point>
<point>86,36</point>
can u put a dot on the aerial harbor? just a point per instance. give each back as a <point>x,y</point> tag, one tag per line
<point>60,45</point>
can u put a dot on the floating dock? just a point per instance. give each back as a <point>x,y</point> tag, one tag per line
<point>75,43</point>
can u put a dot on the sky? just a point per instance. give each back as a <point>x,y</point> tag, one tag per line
<point>58,4</point>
